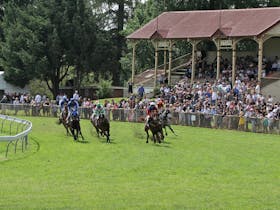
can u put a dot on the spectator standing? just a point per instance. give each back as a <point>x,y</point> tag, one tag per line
<point>130,87</point>
<point>76,96</point>
<point>38,99</point>
<point>141,91</point>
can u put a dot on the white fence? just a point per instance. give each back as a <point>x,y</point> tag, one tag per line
<point>14,130</point>
<point>231,122</point>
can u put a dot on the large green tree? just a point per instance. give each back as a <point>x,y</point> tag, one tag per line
<point>43,39</point>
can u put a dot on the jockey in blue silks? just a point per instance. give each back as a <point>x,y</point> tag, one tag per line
<point>73,106</point>
<point>62,103</point>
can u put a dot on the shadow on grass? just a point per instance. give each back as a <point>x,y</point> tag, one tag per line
<point>82,141</point>
<point>161,145</point>
<point>104,141</point>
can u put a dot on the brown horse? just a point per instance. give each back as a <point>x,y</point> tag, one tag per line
<point>75,126</point>
<point>63,120</point>
<point>155,126</point>
<point>102,126</point>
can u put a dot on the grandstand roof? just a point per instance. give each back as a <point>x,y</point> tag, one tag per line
<point>208,23</point>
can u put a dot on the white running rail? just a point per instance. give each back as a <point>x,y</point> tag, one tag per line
<point>23,128</point>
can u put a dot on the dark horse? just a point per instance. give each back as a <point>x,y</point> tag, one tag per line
<point>155,126</point>
<point>63,120</point>
<point>102,126</point>
<point>75,127</point>
<point>165,120</point>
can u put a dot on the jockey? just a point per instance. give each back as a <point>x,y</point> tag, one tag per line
<point>160,106</point>
<point>62,103</point>
<point>165,112</point>
<point>151,111</point>
<point>99,109</point>
<point>73,106</point>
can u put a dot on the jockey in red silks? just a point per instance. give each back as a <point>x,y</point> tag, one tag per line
<point>151,111</point>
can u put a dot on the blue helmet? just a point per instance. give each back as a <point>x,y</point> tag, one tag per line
<point>98,106</point>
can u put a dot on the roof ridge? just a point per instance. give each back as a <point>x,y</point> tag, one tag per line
<point>217,10</point>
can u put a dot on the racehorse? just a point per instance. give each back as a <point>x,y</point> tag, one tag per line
<point>75,127</point>
<point>102,126</point>
<point>155,126</point>
<point>63,119</point>
<point>165,121</point>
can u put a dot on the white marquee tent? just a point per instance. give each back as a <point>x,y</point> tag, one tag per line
<point>8,88</point>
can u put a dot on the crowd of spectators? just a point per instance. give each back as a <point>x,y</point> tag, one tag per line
<point>206,96</point>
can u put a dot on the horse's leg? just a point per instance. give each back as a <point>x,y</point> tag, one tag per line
<point>154,138</point>
<point>66,128</point>
<point>169,126</point>
<point>165,130</point>
<point>97,131</point>
<point>81,134</point>
<point>147,132</point>
<point>108,135</point>
<point>159,137</point>
<point>73,133</point>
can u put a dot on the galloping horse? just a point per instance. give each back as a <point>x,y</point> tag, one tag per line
<point>155,126</point>
<point>102,126</point>
<point>63,119</point>
<point>165,120</point>
<point>75,127</point>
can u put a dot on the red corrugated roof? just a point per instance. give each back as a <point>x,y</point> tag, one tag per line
<point>205,23</point>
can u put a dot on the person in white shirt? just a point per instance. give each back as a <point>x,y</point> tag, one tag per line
<point>76,95</point>
<point>38,99</point>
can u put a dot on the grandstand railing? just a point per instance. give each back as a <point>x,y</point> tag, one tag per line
<point>231,122</point>
<point>13,130</point>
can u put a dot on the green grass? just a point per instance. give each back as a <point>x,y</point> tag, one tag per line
<point>198,169</point>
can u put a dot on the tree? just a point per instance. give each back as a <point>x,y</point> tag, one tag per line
<point>143,13</point>
<point>112,16</point>
<point>21,47</point>
<point>80,38</point>
<point>50,37</point>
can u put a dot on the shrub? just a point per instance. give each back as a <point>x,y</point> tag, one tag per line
<point>104,88</point>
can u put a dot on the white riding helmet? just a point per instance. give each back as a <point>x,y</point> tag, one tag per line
<point>152,103</point>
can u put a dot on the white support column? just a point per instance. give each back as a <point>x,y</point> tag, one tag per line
<point>193,60</point>
<point>133,61</point>
<point>170,62</point>
<point>165,61</point>
<point>260,58</point>
<point>218,59</point>
<point>233,61</point>
<point>156,64</point>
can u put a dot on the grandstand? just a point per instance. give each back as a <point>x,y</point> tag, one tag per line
<point>225,28</point>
